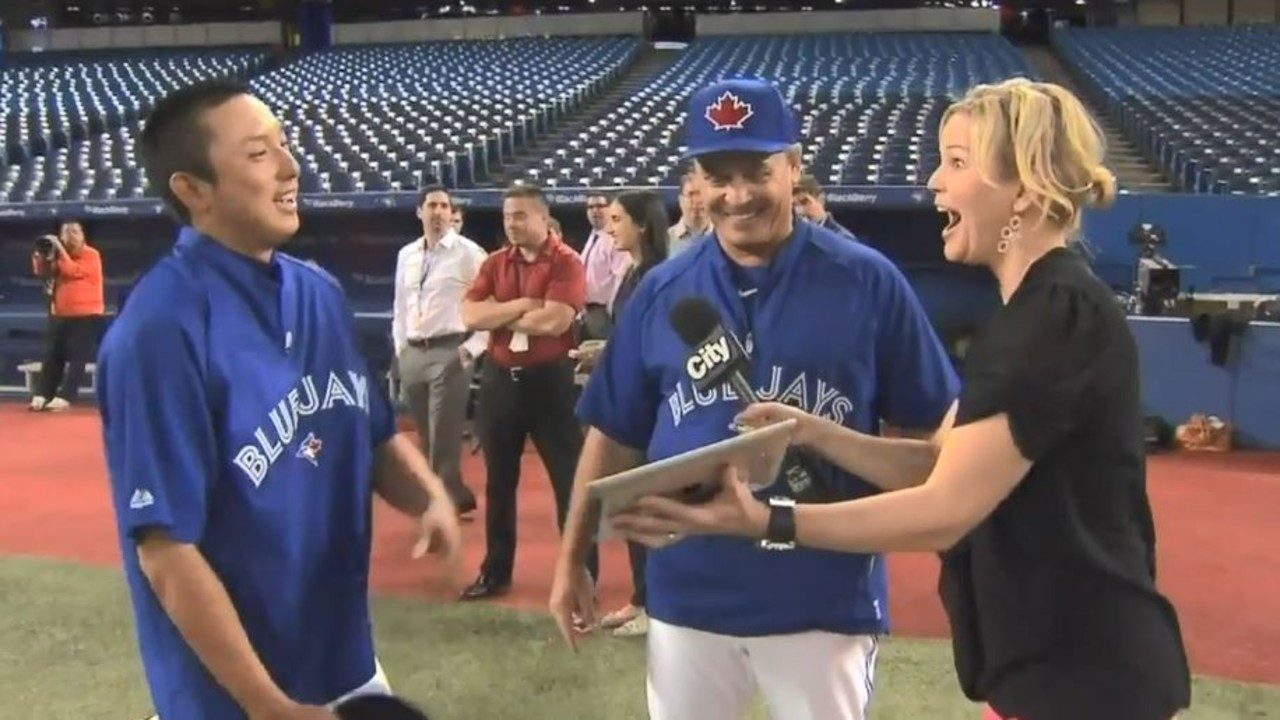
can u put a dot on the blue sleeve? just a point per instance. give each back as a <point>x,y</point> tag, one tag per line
<point>621,396</point>
<point>157,424</point>
<point>918,383</point>
<point>382,414</point>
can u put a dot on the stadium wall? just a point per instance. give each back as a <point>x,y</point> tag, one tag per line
<point>1224,239</point>
<point>568,24</point>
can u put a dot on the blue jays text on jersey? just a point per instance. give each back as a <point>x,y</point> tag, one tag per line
<point>814,395</point>
<point>300,402</point>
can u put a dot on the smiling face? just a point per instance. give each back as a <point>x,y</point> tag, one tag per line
<point>748,196</point>
<point>969,192</point>
<point>252,199</point>
<point>622,227</point>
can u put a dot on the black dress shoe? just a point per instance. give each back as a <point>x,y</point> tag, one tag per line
<point>465,506</point>
<point>485,586</point>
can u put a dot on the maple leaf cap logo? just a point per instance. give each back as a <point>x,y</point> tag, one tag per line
<point>728,112</point>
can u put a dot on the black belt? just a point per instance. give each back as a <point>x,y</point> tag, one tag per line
<point>438,341</point>
<point>522,372</point>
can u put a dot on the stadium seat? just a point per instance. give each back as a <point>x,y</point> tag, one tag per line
<point>393,117</point>
<point>869,102</point>
<point>71,119</point>
<point>366,118</point>
<point>1202,102</point>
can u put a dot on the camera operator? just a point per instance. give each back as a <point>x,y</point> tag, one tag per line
<point>73,282</point>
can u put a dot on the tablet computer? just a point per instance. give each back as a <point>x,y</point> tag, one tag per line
<point>756,454</point>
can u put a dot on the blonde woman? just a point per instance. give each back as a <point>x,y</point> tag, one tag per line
<point>1034,488</point>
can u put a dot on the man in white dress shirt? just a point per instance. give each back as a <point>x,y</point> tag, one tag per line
<point>694,220</point>
<point>605,265</point>
<point>435,352</point>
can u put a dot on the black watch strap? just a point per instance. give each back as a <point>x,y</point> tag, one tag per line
<point>780,534</point>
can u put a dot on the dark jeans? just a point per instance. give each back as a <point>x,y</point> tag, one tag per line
<point>70,345</point>
<point>515,405</point>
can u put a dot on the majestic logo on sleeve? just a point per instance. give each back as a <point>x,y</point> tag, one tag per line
<point>303,400</point>
<point>729,113</point>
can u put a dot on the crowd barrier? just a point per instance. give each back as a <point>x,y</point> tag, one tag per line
<point>1178,377</point>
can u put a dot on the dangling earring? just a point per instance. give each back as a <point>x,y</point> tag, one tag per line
<point>1009,234</point>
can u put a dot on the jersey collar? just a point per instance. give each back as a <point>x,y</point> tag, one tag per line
<point>801,235</point>
<point>225,259</point>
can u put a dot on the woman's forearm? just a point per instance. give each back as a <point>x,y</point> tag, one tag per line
<point>887,463</point>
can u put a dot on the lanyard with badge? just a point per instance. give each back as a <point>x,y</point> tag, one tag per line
<point>426,264</point>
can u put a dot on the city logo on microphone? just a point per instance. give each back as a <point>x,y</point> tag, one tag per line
<point>704,365</point>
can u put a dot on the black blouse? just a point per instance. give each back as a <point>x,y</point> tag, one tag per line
<point>627,287</point>
<point>1052,599</point>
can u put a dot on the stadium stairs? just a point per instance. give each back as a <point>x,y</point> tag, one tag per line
<point>648,62</point>
<point>1132,170</point>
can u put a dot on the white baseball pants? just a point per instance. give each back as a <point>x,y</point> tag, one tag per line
<point>695,675</point>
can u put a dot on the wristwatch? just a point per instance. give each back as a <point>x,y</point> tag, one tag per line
<point>780,533</point>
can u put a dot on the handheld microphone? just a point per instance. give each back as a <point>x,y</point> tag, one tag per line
<point>718,358</point>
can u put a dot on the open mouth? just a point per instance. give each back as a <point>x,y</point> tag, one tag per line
<point>288,202</point>
<point>953,219</point>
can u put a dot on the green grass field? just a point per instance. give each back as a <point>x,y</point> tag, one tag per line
<point>67,652</point>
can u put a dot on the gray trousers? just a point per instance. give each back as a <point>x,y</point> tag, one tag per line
<point>437,388</point>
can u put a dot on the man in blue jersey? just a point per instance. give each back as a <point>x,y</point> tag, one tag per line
<point>830,326</point>
<point>245,437</point>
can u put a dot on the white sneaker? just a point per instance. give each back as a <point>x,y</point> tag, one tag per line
<point>57,404</point>
<point>38,403</point>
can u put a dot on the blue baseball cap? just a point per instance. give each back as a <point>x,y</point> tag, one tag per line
<point>744,115</point>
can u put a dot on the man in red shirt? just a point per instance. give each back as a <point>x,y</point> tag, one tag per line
<point>527,295</point>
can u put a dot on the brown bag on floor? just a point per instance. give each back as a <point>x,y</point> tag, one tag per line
<point>1207,433</point>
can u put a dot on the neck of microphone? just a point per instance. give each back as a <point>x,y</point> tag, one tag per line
<point>741,387</point>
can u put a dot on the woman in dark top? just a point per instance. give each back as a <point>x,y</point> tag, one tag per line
<point>638,222</point>
<point>1034,487</point>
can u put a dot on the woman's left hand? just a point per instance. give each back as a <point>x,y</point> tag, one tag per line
<point>656,521</point>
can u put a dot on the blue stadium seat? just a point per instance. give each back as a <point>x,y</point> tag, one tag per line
<point>70,119</point>
<point>1204,102</point>
<point>870,104</point>
<point>392,117</point>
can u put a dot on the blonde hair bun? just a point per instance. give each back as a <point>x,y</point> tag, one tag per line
<point>1102,188</point>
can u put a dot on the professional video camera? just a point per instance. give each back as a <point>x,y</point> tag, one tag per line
<point>45,247</point>
<point>1158,280</point>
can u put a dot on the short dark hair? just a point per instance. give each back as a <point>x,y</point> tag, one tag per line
<point>176,139</point>
<point>808,185</point>
<point>434,188</point>
<point>525,190</point>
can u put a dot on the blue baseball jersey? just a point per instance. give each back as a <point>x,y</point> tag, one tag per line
<point>830,326</point>
<point>240,416</point>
